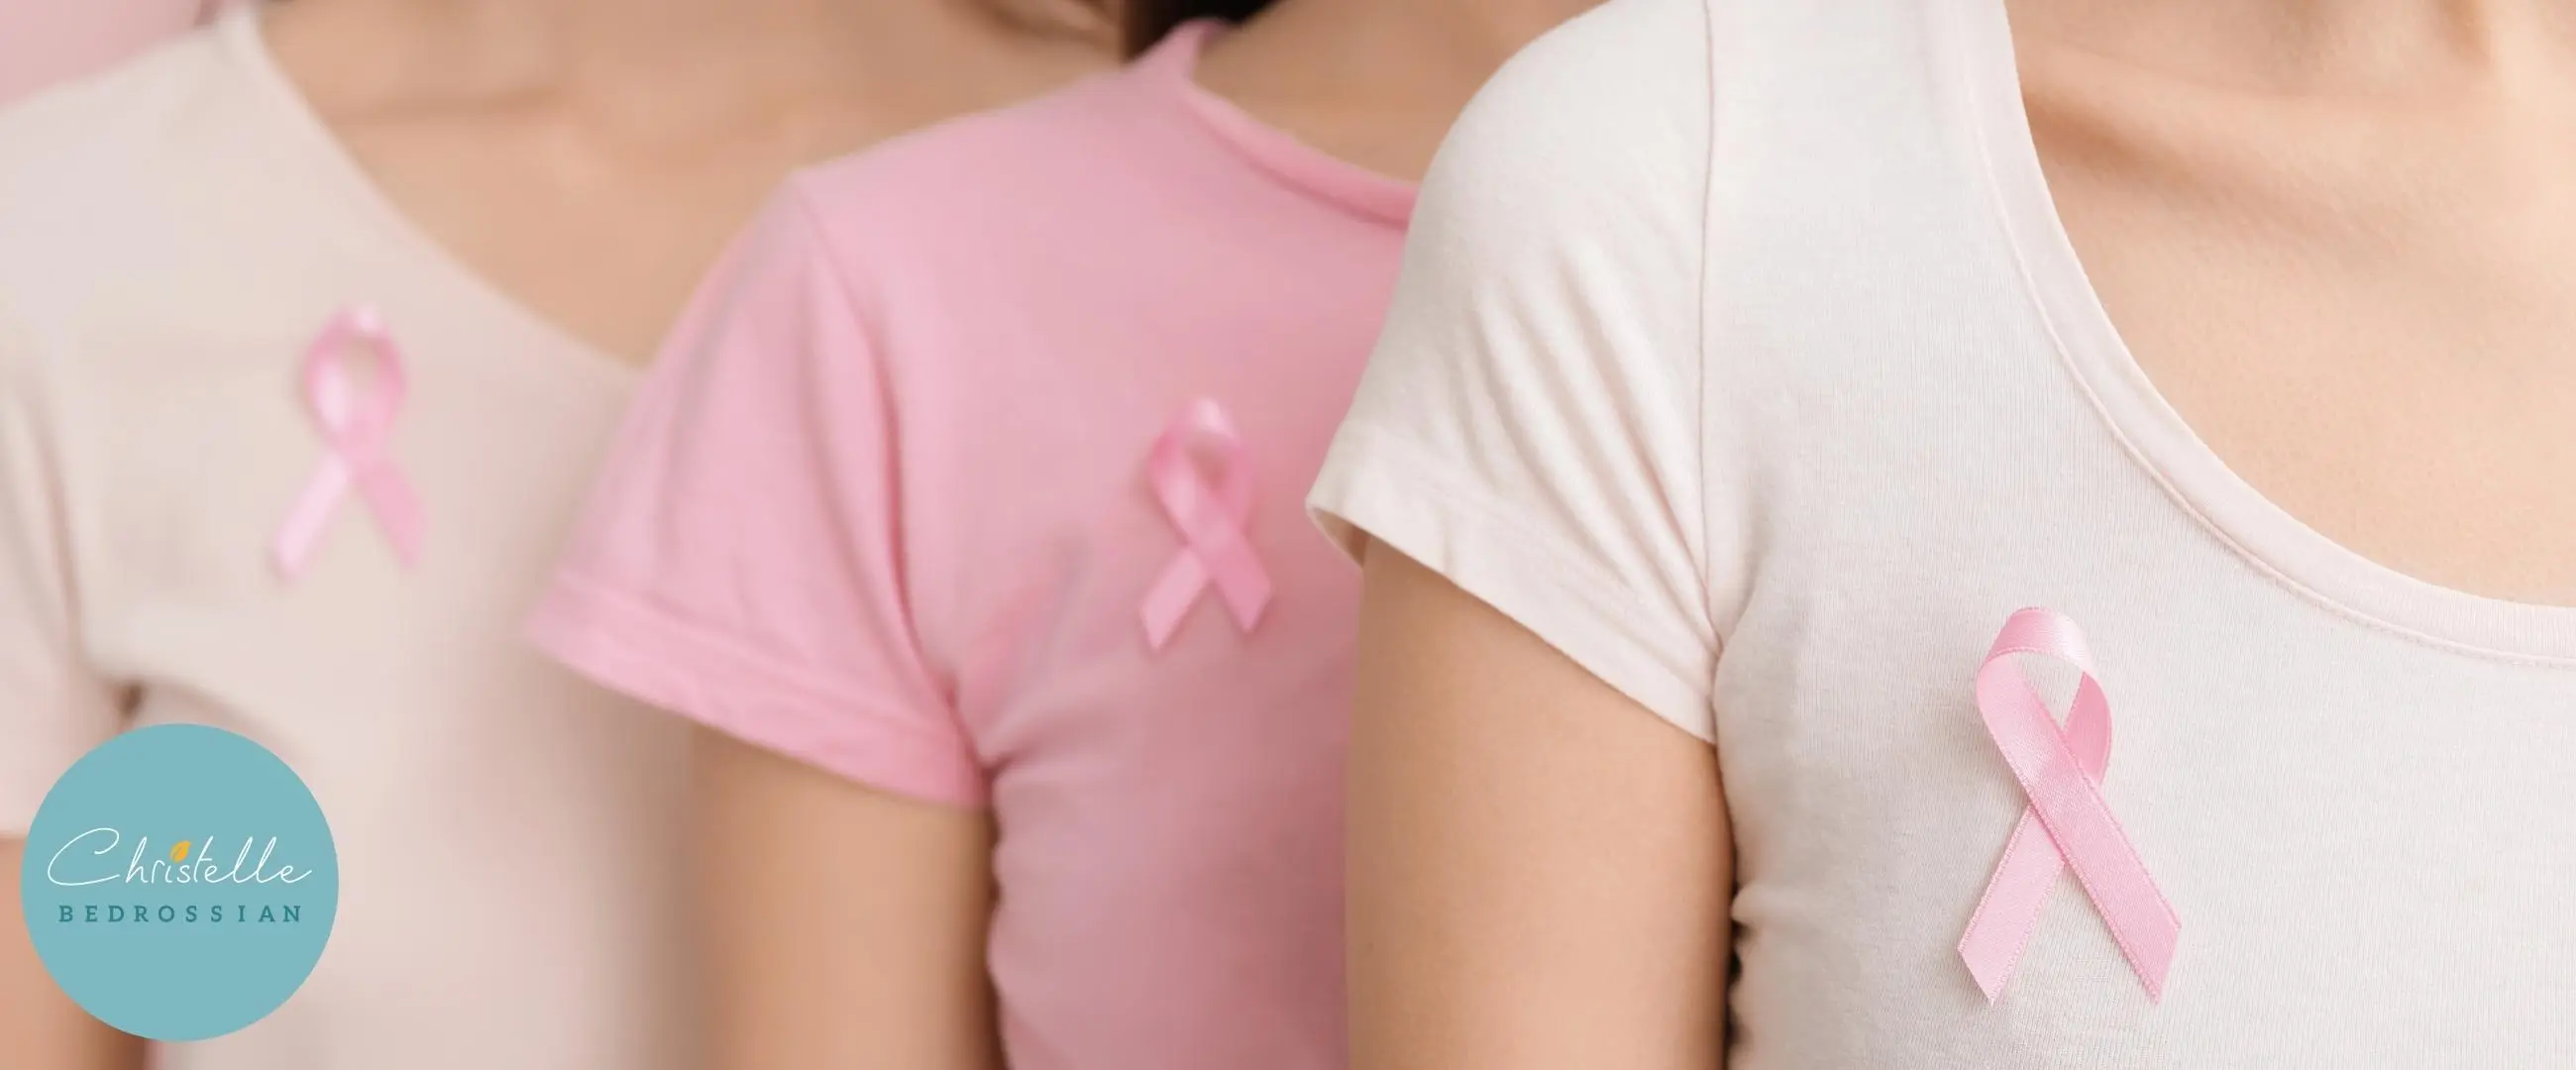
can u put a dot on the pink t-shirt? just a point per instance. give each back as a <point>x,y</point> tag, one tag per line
<point>45,41</point>
<point>884,506</point>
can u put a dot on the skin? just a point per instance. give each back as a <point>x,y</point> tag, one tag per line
<point>897,977</point>
<point>591,158</point>
<point>41,1023</point>
<point>2337,238</point>
<point>2335,235</point>
<point>1539,870</point>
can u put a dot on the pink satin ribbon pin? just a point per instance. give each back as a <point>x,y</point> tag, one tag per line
<point>1210,520</point>
<point>2067,824</point>
<point>357,426</point>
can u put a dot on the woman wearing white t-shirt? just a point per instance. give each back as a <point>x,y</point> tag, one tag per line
<point>1755,363</point>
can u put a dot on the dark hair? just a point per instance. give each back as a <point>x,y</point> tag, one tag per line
<point>1148,20</point>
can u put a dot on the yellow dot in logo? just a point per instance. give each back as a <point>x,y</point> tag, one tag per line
<point>179,852</point>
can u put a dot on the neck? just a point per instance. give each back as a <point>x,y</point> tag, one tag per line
<point>2317,44</point>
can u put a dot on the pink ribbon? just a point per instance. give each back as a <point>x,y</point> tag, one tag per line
<point>1210,520</point>
<point>356,426</point>
<point>2067,825</point>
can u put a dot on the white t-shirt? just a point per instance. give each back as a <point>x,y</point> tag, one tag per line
<point>1740,355</point>
<point>173,235</point>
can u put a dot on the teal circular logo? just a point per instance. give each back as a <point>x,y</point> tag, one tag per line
<point>180,882</point>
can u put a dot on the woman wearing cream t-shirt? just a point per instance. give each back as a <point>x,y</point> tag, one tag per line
<point>522,192</point>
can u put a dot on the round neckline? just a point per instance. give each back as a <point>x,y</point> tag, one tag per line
<point>1173,63</point>
<point>2154,433</point>
<point>311,135</point>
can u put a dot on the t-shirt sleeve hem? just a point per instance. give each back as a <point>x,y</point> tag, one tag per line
<point>1378,486</point>
<point>679,665</point>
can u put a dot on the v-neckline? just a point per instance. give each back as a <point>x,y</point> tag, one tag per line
<point>311,137</point>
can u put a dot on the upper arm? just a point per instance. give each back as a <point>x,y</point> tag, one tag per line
<point>741,562</point>
<point>1540,860</point>
<point>1539,871</point>
<point>45,1029</point>
<point>842,926</point>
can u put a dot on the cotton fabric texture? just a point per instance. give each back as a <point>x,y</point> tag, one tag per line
<point>1739,355</point>
<point>883,507</point>
<point>173,236</point>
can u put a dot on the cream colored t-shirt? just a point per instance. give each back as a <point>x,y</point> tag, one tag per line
<point>1740,355</point>
<point>172,237</point>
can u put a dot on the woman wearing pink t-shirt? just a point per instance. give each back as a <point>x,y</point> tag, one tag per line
<point>964,509</point>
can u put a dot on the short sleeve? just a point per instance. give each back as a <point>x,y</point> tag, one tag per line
<point>1530,424</point>
<point>53,706</point>
<point>739,560</point>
